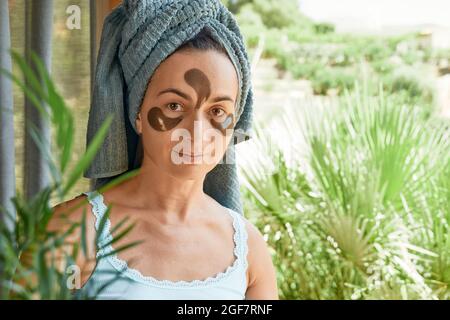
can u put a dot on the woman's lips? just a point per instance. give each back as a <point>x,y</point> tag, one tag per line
<point>190,155</point>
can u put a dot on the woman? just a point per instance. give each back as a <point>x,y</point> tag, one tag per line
<point>195,243</point>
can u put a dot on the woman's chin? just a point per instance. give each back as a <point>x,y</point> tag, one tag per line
<point>192,168</point>
<point>187,172</point>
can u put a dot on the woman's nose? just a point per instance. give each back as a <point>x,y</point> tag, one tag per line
<point>198,125</point>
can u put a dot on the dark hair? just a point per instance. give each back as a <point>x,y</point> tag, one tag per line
<point>203,41</point>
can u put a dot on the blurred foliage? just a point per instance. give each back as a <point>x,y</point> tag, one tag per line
<point>276,13</point>
<point>37,262</point>
<point>323,28</point>
<point>357,205</point>
<point>333,78</point>
<point>316,52</point>
<point>411,82</point>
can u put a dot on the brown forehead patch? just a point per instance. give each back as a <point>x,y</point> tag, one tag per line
<point>201,84</point>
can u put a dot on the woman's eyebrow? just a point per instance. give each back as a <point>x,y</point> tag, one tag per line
<point>222,98</point>
<point>188,97</point>
<point>176,91</point>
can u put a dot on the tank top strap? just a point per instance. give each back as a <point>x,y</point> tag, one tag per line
<point>99,210</point>
<point>240,237</point>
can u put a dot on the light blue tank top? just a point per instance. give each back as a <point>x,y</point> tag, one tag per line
<point>129,283</point>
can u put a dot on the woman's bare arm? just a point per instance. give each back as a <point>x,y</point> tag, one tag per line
<point>261,272</point>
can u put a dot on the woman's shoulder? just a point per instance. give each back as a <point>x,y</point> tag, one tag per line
<point>261,272</point>
<point>256,243</point>
<point>254,235</point>
<point>70,210</point>
<point>65,215</point>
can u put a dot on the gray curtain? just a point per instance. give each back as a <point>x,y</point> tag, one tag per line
<point>38,28</point>
<point>7,159</point>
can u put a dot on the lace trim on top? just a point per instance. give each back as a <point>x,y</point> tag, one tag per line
<point>240,250</point>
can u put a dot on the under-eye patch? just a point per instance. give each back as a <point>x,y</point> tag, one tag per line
<point>161,122</point>
<point>225,125</point>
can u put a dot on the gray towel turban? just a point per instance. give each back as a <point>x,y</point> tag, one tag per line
<point>137,36</point>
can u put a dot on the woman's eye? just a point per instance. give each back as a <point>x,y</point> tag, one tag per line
<point>174,107</point>
<point>217,112</point>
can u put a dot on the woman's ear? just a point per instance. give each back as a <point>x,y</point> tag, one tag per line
<point>139,123</point>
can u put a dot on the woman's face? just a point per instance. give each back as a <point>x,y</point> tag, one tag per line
<point>188,112</point>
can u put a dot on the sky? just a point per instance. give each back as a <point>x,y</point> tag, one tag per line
<point>375,14</point>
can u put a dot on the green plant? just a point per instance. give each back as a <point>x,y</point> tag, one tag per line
<point>413,57</point>
<point>375,49</point>
<point>305,70</point>
<point>358,207</point>
<point>323,28</point>
<point>383,67</point>
<point>251,25</point>
<point>277,13</point>
<point>235,5</point>
<point>35,260</point>
<point>332,78</point>
<point>411,82</point>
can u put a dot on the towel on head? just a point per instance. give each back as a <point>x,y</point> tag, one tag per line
<point>137,36</point>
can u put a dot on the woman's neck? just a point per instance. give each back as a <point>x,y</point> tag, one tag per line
<point>171,199</point>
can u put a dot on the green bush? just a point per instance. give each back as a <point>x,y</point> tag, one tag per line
<point>332,78</point>
<point>357,207</point>
<point>413,57</point>
<point>411,82</point>
<point>383,66</point>
<point>323,28</point>
<point>305,70</point>
<point>274,47</point>
<point>376,49</point>
<point>235,5</point>
<point>251,25</point>
<point>277,13</point>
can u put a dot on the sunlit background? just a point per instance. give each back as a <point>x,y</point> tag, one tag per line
<point>348,174</point>
<point>378,16</point>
